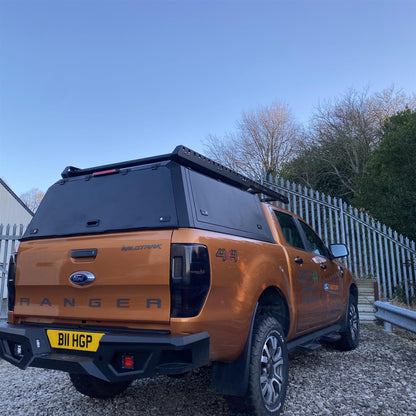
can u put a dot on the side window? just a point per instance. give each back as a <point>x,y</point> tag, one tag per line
<point>315,243</point>
<point>289,230</point>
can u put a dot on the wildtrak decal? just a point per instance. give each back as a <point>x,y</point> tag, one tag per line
<point>142,247</point>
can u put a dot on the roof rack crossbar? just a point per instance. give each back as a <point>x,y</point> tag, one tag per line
<point>189,158</point>
<point>71,171</point>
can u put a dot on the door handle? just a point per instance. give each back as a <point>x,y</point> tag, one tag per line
<point>323,266</point>
<point>298,260</point>
<point>84,253</point>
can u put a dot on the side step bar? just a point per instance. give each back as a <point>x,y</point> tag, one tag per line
<point>312,346</point>
<point>310,342</point>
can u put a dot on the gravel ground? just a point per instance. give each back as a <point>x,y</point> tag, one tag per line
<point>378,378</point>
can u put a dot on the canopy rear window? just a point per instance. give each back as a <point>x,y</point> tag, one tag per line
<point>129,199</point>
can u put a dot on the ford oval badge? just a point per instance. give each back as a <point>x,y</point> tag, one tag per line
<point>81,278</point>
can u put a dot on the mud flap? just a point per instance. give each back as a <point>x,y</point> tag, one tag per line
<point>224,375</point>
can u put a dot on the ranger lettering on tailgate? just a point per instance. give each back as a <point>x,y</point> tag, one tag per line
<point>92,303</point>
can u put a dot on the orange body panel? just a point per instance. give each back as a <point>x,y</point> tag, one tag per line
<point>236,285</point>
<point>131,288</point>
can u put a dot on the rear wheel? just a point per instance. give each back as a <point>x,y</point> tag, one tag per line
<point>96,388</point>
<point>268,373</point>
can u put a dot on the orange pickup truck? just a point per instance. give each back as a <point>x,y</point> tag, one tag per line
<point>169,263</point>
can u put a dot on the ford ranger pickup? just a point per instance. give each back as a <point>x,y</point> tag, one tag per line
<point>166,264</point>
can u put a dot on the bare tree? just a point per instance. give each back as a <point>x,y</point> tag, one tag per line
<point>348,129</point>
<point>389,102</point>
<point>345,133</point>
<point>32,198</point>
<point>264,140</point>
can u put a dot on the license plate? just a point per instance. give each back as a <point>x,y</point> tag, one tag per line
<point>71,340</point>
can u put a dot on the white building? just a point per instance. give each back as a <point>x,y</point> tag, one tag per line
<point>12,208</point>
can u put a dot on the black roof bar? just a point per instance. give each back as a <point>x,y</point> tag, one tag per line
<point>189,158</point>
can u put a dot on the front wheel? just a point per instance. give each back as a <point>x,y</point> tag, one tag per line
<point>268,371</point>
<point>96,388</point>
<point>350,336</point>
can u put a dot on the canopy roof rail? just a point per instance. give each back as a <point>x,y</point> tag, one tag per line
<point>188,158</point>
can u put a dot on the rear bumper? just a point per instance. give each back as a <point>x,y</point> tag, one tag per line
<point>154,353</point>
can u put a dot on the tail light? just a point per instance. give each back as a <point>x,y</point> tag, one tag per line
<point>11,275</point>
<point>189,279</point>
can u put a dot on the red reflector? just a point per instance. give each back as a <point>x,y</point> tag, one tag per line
<point>128,361</point>
<point>105,172</point>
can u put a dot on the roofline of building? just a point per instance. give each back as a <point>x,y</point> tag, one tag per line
<point>16,197</point>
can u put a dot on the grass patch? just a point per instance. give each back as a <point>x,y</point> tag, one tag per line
<point>396,302</point>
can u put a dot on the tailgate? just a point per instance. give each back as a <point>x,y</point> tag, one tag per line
<point>111,277</point>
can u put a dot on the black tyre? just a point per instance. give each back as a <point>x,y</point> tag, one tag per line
<point>179,375</point>
<point>350,336</point>
<point>96,388</point>
<point>268,373</point>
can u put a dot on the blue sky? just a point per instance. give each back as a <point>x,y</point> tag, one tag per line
<point>91,82</point>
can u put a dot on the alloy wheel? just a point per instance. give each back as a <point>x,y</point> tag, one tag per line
<point>271,374</point>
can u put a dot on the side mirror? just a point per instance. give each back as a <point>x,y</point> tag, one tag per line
<point>338,250</point>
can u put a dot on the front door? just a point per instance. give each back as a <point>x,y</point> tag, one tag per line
<point>330,275</point>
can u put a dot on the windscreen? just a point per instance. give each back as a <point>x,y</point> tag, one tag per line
<point>132,199</point>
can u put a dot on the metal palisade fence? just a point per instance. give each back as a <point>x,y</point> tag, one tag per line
<point>9,236</point>
<point>376,251</point>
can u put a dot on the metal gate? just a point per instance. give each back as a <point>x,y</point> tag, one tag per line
<point>9,236</point>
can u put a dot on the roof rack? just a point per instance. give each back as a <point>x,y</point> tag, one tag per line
<point>189,158</point>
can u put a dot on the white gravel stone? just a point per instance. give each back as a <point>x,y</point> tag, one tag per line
<point>378,378</point>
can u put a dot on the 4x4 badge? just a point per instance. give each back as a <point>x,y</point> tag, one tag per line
<point>81,278</point>
<point>227,255</point>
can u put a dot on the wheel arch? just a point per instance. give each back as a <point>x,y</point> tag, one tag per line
<point>354,291</point>
<point>271,302</point>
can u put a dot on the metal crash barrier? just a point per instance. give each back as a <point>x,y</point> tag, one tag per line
<point>394,315</point>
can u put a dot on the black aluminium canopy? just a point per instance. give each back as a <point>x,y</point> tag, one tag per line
<point>167,191</point>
